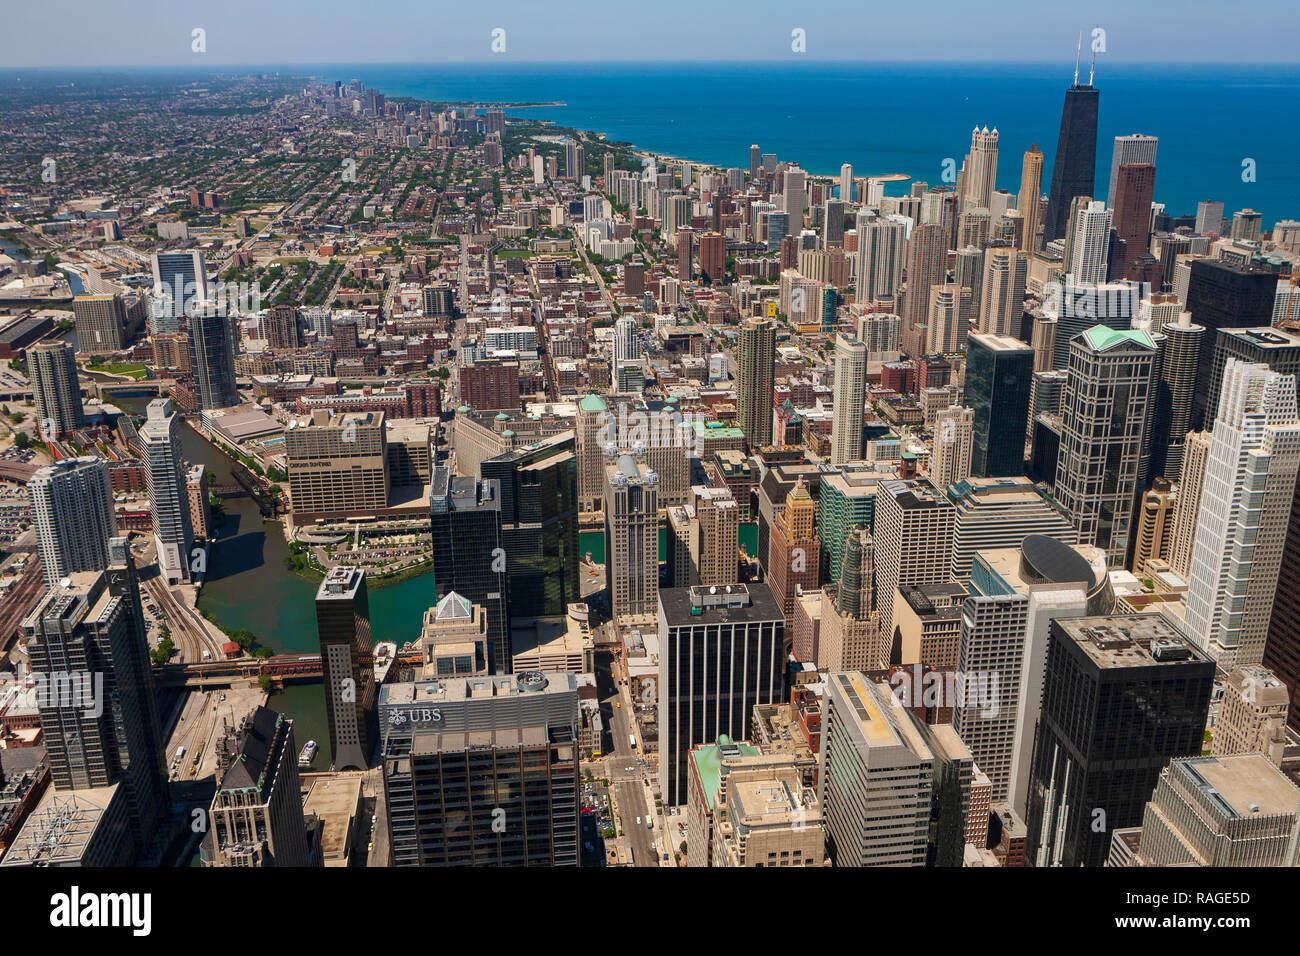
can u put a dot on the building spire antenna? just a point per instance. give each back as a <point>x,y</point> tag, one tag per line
<point>1077,50</point>
<point>1092,67</point>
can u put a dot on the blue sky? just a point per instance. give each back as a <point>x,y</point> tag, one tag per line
<point>88,33</point>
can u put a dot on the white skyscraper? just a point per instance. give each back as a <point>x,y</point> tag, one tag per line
<point>881,247</point>
<point>846,183</point>
<point>981,169</point>
<point>1135,148</point>
<point>850,399</point>
<point>627,340</point>
<point>1090,243</point>
<point>72,511</point>
<point>1246,497</point>
<point>169,502</point>
<point>954,436</point>
<point>1002,291</point>
<point>792,193</point>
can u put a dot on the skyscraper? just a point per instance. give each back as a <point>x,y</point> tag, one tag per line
<point>794,561</point>
<point>981,169</point>
<point>468,557</point>
<point>101,727</point>
<point>169,503</point>
<point>1002,290</point>
<point>72,511</point>
<point>1074,167</point>
<point>1088,244</point>
<point>876,774</point>
<point>1134,148</point>
<point>482,771</point>
<point>999,380</point>
<point>756,369</point>
<point>1224,295</point>
<point>343,625</point>
<point>539,525</point>
<point>880,256</point>
<point>632,533</point>
<point>950,456</point>
<point>720,653</point>
<point>1246,500</point>
<point>850,399</point>
<point>1131,216</point>
<point>211,349</point>
<point>1174,388</point>
<point>1104,415</point>
<point>1122,696</point>
<point>927,255</point>
<point>180,280</point>
<point>102,323</point>
<point>913,537</point>
<point>52,368</point>
<point>1030,199</point>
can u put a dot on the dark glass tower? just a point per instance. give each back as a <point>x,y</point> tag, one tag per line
<point>1224,295</point>
<point>1122,696</point>
<point>539,524</point>
<point>468,555</point>
<point>213,357</point>
<point>347,660</point>
<point>1074,168</point>
<point>999,380</point>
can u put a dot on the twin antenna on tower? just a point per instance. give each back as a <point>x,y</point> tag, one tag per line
<point>1092,67</point>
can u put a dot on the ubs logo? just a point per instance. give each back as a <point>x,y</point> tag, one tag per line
<point>425,715</point>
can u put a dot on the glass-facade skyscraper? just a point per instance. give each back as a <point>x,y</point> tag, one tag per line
<point>999,380</point>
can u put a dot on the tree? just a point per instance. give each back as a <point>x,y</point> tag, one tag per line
<point>21,439</point>
<point>264,682</point>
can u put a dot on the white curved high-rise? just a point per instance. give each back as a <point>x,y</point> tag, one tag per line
<point>72,512</point>
<point>850,400</point>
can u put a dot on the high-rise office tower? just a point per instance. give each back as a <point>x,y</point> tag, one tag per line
<point>1134,148</point>
<point>1131,216</point>
<point>1074,167</point>
<point>1104,415</point>
<point>101,727</point>
<point>482,771</point>
<point>850,630</point>
<point>1156,507</point>
<point>1030,199</point>
<point>720,654</point>
<point>1122,696</point>
<point>1002,290</point>
<point>794,559</point>
<point>850,399</point>
<point>632,533</point>
<point>102,323</point>
<point>981,169</point>
<point>468,557</point>
<point>846,183</point>
<point>1279,349</point>
<point>881,247</point>
<point>1220,811</point>
<point>1246,224</point>
<point>1173,411</point>
<point>1252,715</point>
<point>169,502</point>
<point>1182,537</point>
<point>1076,306</point>
<point>52,369</point>
<point>338,464</point>
<point>719,522</point>
<point>256,817</point>
<point>1001,513</point>
<point>212,354</point>
<point>595,428</point>
<point>792,193</point>
<point>539,525</point>
<point>627,339</point>
<point>927,258</point>
<point>756,361</point>
<point>1209,217</point>
<point>343,626</point>
<point>913,535</point>
<point>1224,295</point>
<point>755,161</point>
<point>1246,501</point>
<point>876,775</point>
<point>950,456</point>
<point>1088,244</point>
<point>180,280</point>
<point>72,511</point>
<point>948,321</point>
<point>999,379</point>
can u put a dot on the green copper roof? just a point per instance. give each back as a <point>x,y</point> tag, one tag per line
<point>1103,337</point>
<point>593,403</point>
<point>708,764</point>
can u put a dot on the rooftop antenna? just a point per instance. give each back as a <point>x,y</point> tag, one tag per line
<point>1092,67</point>
<point>1077,50</point>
